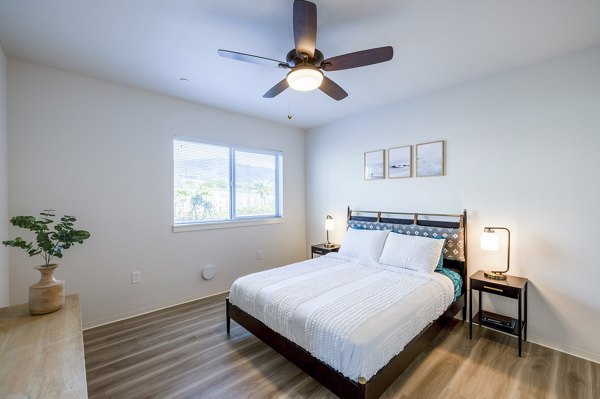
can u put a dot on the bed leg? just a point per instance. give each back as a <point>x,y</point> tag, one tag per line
<point>227,315</point>
<point>464,310</point>
<point>362,387</point>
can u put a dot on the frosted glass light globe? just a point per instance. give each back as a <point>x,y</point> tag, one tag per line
<point>489,241</point>
<point>305,78</point>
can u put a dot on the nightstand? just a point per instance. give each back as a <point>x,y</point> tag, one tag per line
<point>322,249</point>
<point>512,287</point>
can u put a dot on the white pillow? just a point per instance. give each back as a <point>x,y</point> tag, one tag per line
<point>416,253</point>
<point>364,245</point>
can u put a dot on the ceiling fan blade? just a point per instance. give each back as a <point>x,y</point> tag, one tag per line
<point>255,59</point>
<point>332,89</point>
<point>305,27</point>
<point>358,59</point>
<point>277,89</point>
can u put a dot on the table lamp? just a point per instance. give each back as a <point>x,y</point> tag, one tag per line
<point>329,225</point>
<point>489,242</point>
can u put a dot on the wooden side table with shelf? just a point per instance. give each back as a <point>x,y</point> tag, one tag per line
<point>322,249</point>
<point>513,287</point>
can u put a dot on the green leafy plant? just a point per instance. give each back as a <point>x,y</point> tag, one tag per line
<point>50,240</point>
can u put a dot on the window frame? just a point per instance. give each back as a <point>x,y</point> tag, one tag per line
<point>232,181</point>
<point>233,220</point>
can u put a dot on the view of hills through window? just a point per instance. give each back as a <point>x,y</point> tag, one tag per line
<point>205,174</point>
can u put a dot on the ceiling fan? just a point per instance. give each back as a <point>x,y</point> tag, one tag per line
<point>306,61</point>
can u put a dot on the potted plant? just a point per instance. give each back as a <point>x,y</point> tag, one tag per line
<point>47,295</point>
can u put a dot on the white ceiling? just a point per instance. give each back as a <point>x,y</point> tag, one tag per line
<point>150,44</point>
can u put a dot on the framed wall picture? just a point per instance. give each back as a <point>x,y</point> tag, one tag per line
<point>374,165</point>
<point>400,162</point>
<point>430,159</point>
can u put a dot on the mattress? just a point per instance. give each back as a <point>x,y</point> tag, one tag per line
<point>352,316</point>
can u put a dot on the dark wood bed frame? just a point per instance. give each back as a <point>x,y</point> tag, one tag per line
<point>374,387</point>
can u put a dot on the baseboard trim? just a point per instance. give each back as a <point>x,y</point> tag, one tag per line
<point>147,309</point>
<point>568,349</point>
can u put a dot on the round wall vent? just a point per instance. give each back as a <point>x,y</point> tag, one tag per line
<point>209,272</point>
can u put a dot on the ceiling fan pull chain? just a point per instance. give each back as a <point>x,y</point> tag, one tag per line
<point>289,105</point>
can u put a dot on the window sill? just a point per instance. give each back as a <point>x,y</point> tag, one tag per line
<point>225,224</point>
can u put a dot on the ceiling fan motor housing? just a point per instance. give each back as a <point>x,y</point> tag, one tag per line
<point>293,60</point>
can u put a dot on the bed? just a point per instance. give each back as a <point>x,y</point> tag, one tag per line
<point>355,320</point>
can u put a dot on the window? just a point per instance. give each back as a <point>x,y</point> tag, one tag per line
<point>216,183</point>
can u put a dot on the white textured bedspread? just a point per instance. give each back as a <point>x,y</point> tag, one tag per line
<point>354,317</point>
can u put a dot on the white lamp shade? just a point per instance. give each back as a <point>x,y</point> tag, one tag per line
<point>329,224</point>
<point>305,79</point>
<point>489,241</point>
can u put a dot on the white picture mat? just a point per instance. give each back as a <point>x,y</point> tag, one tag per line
<point>400,162</point>
<point>374,165</point>
<point>430,159</point>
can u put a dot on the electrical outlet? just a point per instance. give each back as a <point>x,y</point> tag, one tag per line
<point>136,277</point>
<point>259,254</point>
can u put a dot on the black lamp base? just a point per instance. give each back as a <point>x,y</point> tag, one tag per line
<point>495,275</point>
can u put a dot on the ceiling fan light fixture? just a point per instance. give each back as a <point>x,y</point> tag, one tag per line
<point>305,78</point>
<point>305,60</point>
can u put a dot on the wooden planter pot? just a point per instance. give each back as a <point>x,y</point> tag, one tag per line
<point>48,294</point>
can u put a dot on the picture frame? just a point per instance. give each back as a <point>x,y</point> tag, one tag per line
<point>374,165</point>
<point>430,159</point>
<point>400,160</point>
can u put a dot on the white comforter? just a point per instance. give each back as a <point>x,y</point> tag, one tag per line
<point>354,317</point>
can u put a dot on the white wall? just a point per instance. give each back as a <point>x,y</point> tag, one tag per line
<point>522,152</point>
<point>4,275</point>
<point>102,153</point>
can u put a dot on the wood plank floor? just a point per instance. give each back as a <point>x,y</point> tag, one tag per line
<point>183,352</point>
